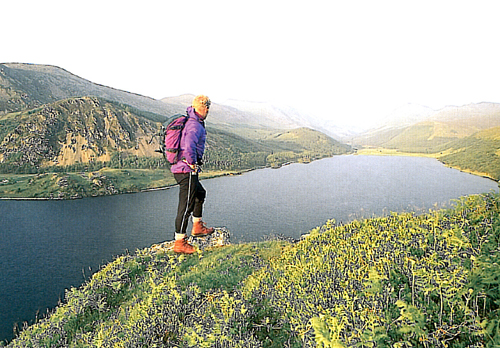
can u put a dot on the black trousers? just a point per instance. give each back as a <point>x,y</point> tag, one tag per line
<point>191,198</point>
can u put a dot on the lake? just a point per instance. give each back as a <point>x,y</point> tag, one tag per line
<point>48,246</point>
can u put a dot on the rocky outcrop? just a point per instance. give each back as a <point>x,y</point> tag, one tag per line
<point>77,130</point>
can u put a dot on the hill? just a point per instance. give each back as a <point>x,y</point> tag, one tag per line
<point>27,86</point>
<point>463,137</point>
<point>270,116</point>
<point>478,153</point>
<point>71,131</point>
<point>473,116</point>
<point>396,281</point>
<point>437,129</point>
<point>91,130</point>
<point>254,120</point>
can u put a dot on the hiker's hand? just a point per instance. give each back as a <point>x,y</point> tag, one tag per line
<point>194,167</point>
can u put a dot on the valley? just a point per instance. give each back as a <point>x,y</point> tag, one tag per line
<point>63,137</point>
<point>466,138</point>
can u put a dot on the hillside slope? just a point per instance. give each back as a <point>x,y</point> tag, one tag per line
<point>92,130</point>
<point>26,86</point>
<point>463,137</point>
<point>439,128</point>
<point>479,153</point>
<point>396,281</point>
<point>71,131</point>
<point>98,147</point>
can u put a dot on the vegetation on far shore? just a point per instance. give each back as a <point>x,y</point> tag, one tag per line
<point>106,181</point>
<point>477,153</point>
<point>63,184</point>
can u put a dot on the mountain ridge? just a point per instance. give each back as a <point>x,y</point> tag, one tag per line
<point>24,86</point>
<point>41,84</point>
<point>450,122</point>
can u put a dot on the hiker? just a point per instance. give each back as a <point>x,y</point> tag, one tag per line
<point>191,192</point>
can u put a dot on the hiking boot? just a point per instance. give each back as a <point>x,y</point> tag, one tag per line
<point>200,229</point>
<point>181,246</point>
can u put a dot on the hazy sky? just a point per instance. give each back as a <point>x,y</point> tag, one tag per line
<point>348,61</point>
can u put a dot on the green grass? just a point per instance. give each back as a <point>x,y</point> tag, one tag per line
<point>78,185</point>
<point>402,280</point>
<point>475,154</point>
<point>418,138</point>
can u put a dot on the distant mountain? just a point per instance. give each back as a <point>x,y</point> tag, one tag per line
<point>465,137</point>
<point>273,116</point>
<point>427,131</point>
<point>25,86</point>
<point>407,115</point>
<point>474,117</point>
<point>220,115</point>
<point>246,114</point>
<point>307,139</point>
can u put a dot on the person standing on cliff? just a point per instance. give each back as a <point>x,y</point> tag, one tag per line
<point>191,192</point>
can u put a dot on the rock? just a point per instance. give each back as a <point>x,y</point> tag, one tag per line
<point>220,237</point>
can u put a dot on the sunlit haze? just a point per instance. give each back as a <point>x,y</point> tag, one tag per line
<point>350,62</point>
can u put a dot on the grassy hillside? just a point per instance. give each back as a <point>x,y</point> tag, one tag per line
<point>456,143</point>
<point>423,137</point>
<point>302,145</point>
<point>397,281</point>
<point>431,128</point>
<point>478,153</point>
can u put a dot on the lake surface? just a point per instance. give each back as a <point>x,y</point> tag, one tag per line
<point>48,246</point>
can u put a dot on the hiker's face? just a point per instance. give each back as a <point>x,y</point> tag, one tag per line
<point>203,113</point>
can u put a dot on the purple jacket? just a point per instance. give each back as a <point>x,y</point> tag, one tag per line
<point>192,143</point>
